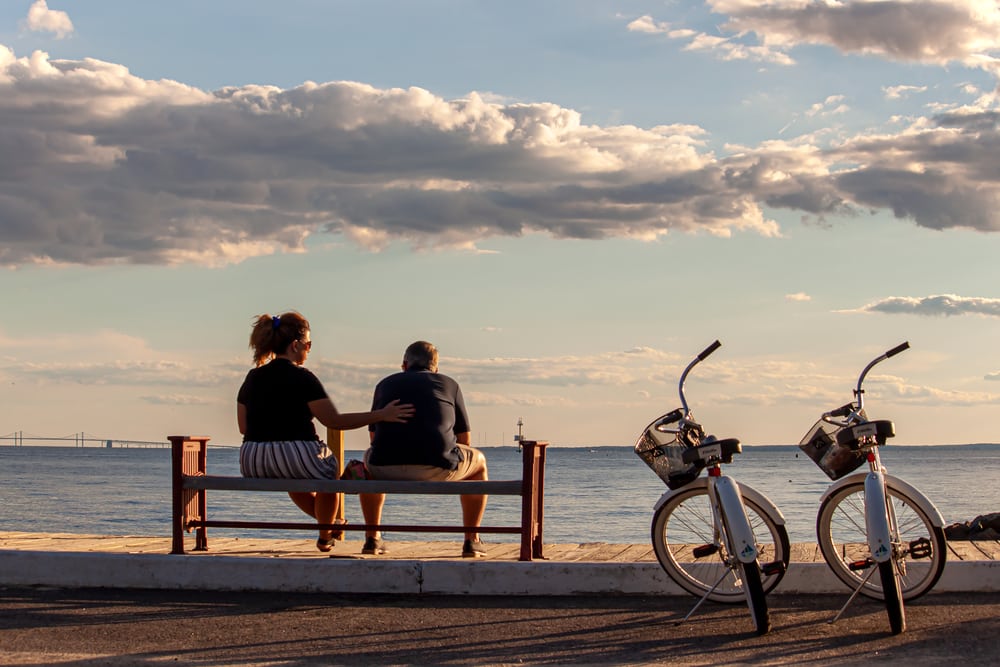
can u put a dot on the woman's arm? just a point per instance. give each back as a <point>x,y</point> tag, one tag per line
<point>325,411</point>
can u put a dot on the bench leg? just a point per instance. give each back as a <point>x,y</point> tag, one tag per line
<point>532,495</point>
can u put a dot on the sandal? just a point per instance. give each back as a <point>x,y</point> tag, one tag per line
<point>327,545</point>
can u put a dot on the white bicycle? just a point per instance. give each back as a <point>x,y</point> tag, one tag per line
<point>715,538</point>
<point>873,522</point>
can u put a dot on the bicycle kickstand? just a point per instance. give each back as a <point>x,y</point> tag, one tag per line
<point>703,598</point>
<point>857,590</point>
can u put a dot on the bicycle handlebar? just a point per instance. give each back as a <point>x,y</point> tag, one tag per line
<point>709,350</point>
<point>694,362</point>
<point>896,350</point>
<point>854,410</point>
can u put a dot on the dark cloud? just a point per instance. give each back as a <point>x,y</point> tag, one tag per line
<point>99,166</point>
<point>930,31</point>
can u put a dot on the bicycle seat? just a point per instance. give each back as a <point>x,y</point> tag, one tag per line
<point>712,449</point>
<point>880,428</point>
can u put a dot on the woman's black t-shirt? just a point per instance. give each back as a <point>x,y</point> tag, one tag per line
<point>277,396</point>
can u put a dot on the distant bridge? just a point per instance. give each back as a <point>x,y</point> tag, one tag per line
<point>20,439</point>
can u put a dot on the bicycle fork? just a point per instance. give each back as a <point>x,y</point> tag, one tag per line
<point>877,527</point>
<point>732,528</point>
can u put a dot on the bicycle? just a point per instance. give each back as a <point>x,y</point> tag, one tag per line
<point>715,538</point>
<point>871,521</point>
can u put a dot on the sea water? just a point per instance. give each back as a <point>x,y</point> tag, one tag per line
<point>592,494</point>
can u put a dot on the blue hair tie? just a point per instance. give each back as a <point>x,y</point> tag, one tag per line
<point>276,322</point>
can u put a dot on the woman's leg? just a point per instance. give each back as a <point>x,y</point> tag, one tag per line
<point>305,501</point>
<point>326,512</point>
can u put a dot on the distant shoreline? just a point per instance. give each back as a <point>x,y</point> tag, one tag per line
<point>166,445</point>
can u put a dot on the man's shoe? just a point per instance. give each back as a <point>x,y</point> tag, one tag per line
<point>374,546</point>
<point>473,549</point>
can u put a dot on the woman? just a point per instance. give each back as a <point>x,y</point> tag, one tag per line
<point>275,409</point>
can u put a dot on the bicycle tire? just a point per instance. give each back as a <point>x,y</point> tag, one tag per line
<point>893,596</point>
<point>840,531</point>
<point>753,589</point>
<point>756,598</point>
<point>685,521</point>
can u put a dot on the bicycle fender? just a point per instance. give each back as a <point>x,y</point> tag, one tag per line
<point>741,537</point>
<point>756,496</point>
<point>897,484</point>
<point>876,518</point>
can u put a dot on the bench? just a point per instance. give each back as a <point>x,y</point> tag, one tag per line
<point>191,483</point>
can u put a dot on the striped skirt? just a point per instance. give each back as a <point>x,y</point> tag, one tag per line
<point>288,459</point>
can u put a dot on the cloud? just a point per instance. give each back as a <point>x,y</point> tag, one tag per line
<point>567,381</point>
<point>939,305</point>
<point>935,32</point>
<point>98,166</point>
<point>725,48</point>
<point>830,106</point>
<point>899,92</point>
<point>126,372</point>
<point>798,296</point>
<point>42,19</point>
<point>992,377</point>
<point>178,399</point>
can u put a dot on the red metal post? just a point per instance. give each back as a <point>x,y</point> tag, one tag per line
<point>532,498</point>
<point>187,457</point>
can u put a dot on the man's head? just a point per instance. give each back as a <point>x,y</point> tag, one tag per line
<point>421,356</point>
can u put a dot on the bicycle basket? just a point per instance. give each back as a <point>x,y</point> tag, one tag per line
<point>664,454</point>
<point>821,444</point>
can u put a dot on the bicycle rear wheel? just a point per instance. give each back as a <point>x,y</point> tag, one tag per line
<point>893,596</point>
<point>918,555</point>
<point>693,553</point>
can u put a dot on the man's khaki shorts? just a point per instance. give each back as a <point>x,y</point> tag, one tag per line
<point>425,473</point>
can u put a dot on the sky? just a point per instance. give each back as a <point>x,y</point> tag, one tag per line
<point>570,198</point>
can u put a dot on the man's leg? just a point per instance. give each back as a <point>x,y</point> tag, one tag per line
<point>473,507</point>
<point>371,509</point>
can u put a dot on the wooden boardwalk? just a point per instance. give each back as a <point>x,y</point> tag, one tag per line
<point>304,547</point>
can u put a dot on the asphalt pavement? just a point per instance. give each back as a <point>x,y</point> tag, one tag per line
<point>77,627</point>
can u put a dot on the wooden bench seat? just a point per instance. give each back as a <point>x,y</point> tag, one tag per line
<point>191,484</point>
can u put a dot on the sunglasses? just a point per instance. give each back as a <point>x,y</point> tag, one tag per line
<point>306,344</point>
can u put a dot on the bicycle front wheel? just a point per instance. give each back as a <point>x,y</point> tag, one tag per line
<point>919,550</point>
<point>692,551</point>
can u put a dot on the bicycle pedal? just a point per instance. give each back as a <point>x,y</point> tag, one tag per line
<point>860,565</point>
<point>921,548</point>
<point>773,568</point>
<point>704,550</point>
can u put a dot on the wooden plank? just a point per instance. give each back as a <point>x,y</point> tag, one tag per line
<point>988,549</point>
<point>804,552</point>
<point>982,550</point>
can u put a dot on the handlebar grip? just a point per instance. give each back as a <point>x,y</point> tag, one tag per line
<point>842,411</point>
<point>709,350</point>
<point>896,350</point>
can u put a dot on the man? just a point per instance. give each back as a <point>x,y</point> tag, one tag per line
<point>434,445</point>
